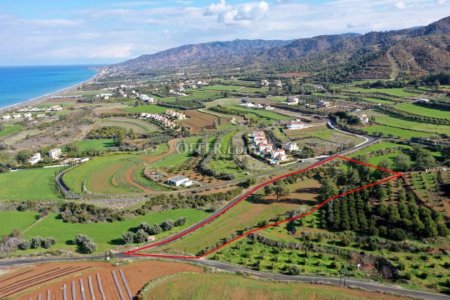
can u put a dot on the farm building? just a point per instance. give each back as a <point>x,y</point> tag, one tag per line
<point>180,181</point>
<point>296,125</point>
<point>55,153</point>
<point>35,158</point>
<point>290,146</point>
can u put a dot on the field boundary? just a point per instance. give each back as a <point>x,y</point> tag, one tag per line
<point>199,225</point>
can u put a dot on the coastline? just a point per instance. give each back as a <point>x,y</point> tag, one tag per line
<point>45,97</point>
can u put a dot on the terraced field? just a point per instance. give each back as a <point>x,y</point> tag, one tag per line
<point>139,126</point>
<point>423,111</point>
<point>113,174</point>
<point>410,125</point>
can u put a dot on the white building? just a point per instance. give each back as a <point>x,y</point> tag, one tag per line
<point>278,83</point>
<point>180,181</point>
<point>364,119</point>
<point>17,116</point>
<point>55,153</point>
<point>27,115</point>
<point>290,146</point>
<point>265,82</point>
<point>296,125</point>
<point>35,158</point>
<point>146,98</point>
<point>278,155</point>
<point>6,117</point>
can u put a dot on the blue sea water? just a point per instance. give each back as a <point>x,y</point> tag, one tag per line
<point>19,84</point>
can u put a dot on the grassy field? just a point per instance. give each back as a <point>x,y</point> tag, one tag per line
<point>178,158</point>
<point>10,220</point>
<point>10,130</point>
<point>381,101</point>
<point>139,126</point>
<point>379,146</point>
<point>399,92</point>
<point>395,132</point>
<point>151,108</point>
<point>266,114</point>
<point>245,214</point>
<point>95,144</point>
<point>423,111</point>
<point>230,286</point>
<point>419,126</point>
<point>34,184</point>
<point>231,88</point>
<point>107,234</point>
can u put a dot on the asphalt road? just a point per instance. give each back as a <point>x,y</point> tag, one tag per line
<point>360,284</point>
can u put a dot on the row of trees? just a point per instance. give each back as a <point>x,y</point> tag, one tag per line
<point>359,212</point>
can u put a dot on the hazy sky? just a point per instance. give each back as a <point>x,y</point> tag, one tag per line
<point>37,32</point>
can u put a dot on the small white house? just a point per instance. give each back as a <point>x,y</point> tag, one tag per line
<point>55,153</point>
<point>364,119</point>
<point>6,117</point>
<point>17,116</point>
<point>290,146</point>
<point>27,115</point>
<point>180,181</point>
<point>279,155</point>
<point>35,158</point>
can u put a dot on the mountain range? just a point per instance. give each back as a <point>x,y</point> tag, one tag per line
<point>409,52</point>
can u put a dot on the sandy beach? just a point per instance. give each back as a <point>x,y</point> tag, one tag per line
<point>43,98</point>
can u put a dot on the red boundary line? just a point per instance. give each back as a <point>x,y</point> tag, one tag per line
<point>250,192</point>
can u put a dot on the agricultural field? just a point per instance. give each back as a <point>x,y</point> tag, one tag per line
<point>139,126</point>
<point>230,286</point>
<point>264,116</point>
<point>320,138</point>
<point>423,111</point>
<point>177,158</point>
<point>107,235</point>
<point>150,108</point>
<point>35,184</point>
<point>10,130</point>
<point>411,125</point>
<point>95,144</point>
<point>394,132</point>
<point>245,214</point>
<point>14,220</point>
<point>111,174</point>
<point>198,121</point>
<point>230,88</point>
<point>86,279</point>
<point>398,92</point>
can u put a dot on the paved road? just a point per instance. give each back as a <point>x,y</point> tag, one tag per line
<point>365,285</point>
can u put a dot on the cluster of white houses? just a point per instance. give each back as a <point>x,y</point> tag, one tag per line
<point>276,83</point>
<point>27,113</point>
<point>166,119</point>
<point>265,149</point>
<point>256,106</point>
<point>294,100</point>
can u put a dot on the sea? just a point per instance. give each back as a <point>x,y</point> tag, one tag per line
<point>20,84</point>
